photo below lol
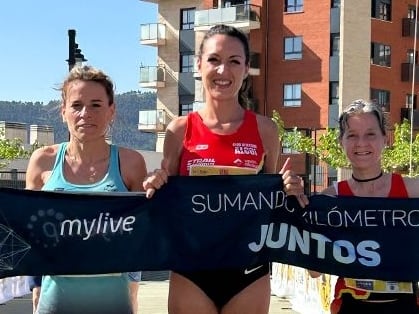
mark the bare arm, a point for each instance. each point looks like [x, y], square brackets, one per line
[39, 167]
[172, 149]
[412, 186]
[133, 169]
[269, 134]
[173, 144]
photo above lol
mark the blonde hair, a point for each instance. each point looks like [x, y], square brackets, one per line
[88, 73]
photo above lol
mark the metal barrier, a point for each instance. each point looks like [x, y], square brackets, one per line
[12, 179]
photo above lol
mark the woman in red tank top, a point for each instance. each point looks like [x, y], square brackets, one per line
[363, 136]
[222, 138]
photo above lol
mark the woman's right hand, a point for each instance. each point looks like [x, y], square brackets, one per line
[154, 180]
[293, 184]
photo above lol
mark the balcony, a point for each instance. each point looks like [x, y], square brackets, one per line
[254, 63]
[407, 72]
[244, 16]
[153, 34]
[408, 27]
[153, 121]
[152, 76]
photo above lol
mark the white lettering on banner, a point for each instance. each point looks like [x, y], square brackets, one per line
[101, 225]
[363, 218]
[343, 251]
[222, 202]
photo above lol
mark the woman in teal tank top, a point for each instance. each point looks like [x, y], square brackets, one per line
[86, 163]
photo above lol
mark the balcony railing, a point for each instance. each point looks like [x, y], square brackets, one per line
[152, 76]
[243, 16]
[153, 34]
[407, 72]
[153, 120]
[408, 27]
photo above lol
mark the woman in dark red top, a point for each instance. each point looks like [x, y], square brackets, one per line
[363, 136]
[222, 138]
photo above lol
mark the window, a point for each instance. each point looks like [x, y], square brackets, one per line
[410, 100]
[186, 104]
[293, 48]
[294, 5]
[334, 45]
[381, 97]
[334, 93]
[229, 3]
[411, 57]
[187, 18]
[381, 9]
[411, 12]
[335, 4]
[186, 108]
[292, 95]
[187, 62]
[381, 54]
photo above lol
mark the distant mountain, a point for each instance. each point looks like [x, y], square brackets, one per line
[124, 131]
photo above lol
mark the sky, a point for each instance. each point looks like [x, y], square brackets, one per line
[34, 43]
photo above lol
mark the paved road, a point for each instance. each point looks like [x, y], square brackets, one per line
[21, 305]
[152, 297]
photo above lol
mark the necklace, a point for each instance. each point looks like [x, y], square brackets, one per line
[89, 171]
[368, 180]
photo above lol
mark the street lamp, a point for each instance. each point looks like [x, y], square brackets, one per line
[75, 57]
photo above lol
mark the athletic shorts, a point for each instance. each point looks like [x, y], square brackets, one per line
[222, 285]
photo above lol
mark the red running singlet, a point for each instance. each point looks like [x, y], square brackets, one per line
[207, 153]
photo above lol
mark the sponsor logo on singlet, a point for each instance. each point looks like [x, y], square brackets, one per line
[245, 149]
[200, 162]
[238, 162]
[201, 147]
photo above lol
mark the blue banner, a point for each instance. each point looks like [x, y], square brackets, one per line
[212, 222]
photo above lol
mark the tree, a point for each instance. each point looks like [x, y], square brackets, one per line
[401, 156]
[10, 150]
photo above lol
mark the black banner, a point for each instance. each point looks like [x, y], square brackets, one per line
[203, 223]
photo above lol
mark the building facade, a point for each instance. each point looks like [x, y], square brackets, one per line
[309, 59]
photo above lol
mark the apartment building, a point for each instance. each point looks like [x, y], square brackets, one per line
[309, 59]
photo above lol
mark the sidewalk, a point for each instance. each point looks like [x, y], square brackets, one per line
[152, 299]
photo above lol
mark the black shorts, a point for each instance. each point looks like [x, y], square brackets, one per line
[404, 304]
[222, 285]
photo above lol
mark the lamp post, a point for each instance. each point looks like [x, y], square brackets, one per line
[74, 52]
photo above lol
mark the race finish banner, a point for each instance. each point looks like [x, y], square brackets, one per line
[195, 223]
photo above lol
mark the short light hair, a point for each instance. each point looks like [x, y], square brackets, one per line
[88, 73]
[361, 106]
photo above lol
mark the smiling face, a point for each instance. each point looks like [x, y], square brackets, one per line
[223, 67]
[86, 110]
[363, 141]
